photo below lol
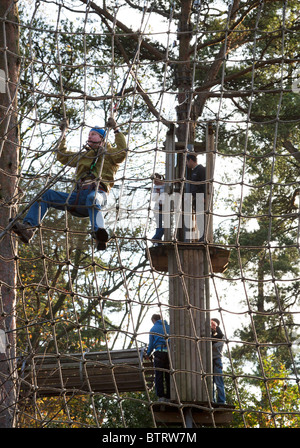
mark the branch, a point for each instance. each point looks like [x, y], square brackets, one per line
[230, 31]
[93, 303]
[202, 93]
[161, 12]
[132, 34]
[199, 101]
[144, 95]
[292, 150]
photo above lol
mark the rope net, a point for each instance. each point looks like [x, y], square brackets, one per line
[215, 79]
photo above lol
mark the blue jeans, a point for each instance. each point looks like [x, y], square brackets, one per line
[158, 234]
[218, 381]
[159, 225]
[89, 205]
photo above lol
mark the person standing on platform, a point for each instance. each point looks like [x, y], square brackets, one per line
[217, 348]
[158, 346]
[197, 177]
[158, 194]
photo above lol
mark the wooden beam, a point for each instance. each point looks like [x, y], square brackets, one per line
[217, 262]
[199, 147]
[106, 372]
[168, 414]
[209, 173]
[188, 325]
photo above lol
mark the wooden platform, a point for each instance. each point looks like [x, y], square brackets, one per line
[218, 262]
[193, 414]
[106, 372]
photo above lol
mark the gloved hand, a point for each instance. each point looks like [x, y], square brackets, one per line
[64, 124]
[111, 123]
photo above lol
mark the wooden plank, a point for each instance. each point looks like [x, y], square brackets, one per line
[102, 370]
[188, 302]
[199, 147]
[193, 266]
[169, 414]
[126, 356]
[218, 260]
[126, 384]
[188, 265]
[210, 167]
[201, 418]
[198, 292]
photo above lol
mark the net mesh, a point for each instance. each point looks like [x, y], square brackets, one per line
[219, 80]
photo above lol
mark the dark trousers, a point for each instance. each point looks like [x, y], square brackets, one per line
[162, 378]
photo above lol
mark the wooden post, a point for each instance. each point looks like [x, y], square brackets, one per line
[210, 166]
[189, 300]
[188, 325]
[9, 162]
[170, 172]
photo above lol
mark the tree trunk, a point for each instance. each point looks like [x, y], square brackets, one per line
[183, 79]
[9, 161]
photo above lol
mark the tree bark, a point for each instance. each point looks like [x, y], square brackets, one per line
[9, 161]
[184, 75]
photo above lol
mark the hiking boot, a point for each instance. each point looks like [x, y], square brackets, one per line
[24, 231]
[101, 237]
[100, 245]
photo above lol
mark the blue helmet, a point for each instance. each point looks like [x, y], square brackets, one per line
[100, 131]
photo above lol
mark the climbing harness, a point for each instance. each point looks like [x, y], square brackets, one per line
[87, 182]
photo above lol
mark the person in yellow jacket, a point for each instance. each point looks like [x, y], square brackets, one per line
[96, 166]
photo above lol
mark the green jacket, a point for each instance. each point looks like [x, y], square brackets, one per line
[106, 165]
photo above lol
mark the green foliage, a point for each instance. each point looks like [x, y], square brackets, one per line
[132, 411]
[271, 401]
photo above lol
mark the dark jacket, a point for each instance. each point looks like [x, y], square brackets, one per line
[218, 344]
[198, 174]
